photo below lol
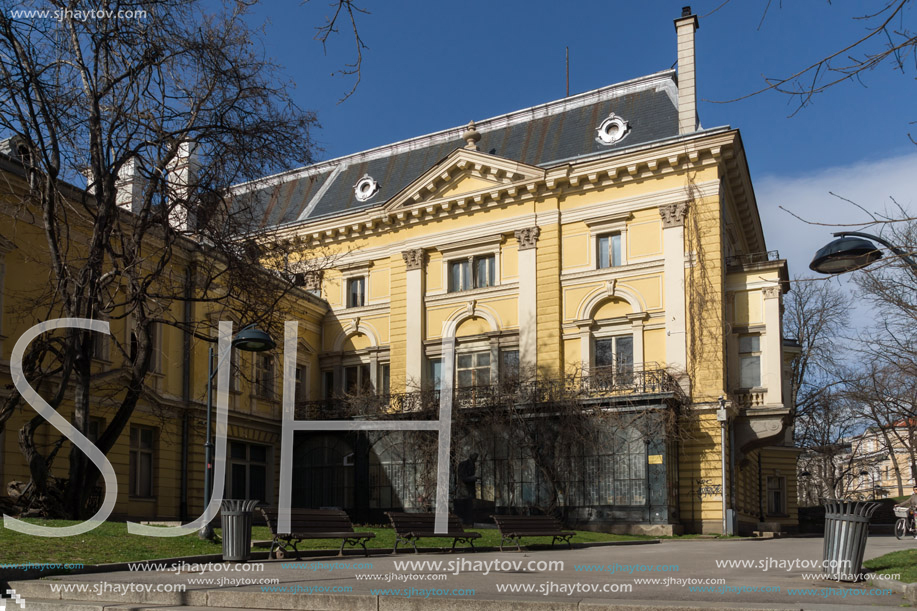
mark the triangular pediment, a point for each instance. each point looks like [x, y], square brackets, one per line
[464, 172]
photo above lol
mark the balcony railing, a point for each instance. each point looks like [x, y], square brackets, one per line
[752, 258]
[599, 383]
[749, 398]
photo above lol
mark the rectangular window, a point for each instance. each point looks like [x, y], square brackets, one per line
[459, 275]
[749, 361]
[609, 251]
[473, 272]
[509, 366]
[356, 379]
[264, 376]
[328, 384]
[300, 383]
[776, 495]
[472, 369]
[484, 271]
[100, 346]
[615, 353]
[385, 378]
[356, 292]
[247, 471]
[436, 374]
[141, 462]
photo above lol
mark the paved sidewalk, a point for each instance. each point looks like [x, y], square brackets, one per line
[320, 583]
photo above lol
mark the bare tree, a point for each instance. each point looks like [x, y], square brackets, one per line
[887, 39]
[816, 313]
[162, 104]
[885, 396]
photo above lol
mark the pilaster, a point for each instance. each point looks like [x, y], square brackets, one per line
[414, 291]
[673, 247]
[528, 300]
[772, 361]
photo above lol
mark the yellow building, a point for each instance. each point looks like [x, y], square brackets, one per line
[159, 457]
[604, 244]
[606, 232]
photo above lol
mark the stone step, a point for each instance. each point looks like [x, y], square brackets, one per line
[220, 598]
[42, 589]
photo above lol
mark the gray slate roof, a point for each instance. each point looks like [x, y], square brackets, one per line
[540, 136]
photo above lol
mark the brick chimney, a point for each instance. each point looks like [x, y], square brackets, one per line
[183, 174]
[129, 186]
[687, 92]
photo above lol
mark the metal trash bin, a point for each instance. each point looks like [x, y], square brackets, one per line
[236, 516]
[846, 531]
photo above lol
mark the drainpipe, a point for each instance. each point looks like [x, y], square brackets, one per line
[732, 468]
[186, 395]
[723, 417]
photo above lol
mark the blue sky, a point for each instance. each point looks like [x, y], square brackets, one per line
[431, 66]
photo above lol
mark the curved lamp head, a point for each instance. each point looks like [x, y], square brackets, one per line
[253, 339]
[844, 255]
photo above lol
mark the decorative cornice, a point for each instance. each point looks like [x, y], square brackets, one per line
[414, 258]
[673, 215]
[404, 210]
[527, 237]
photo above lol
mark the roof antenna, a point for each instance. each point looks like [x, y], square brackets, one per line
[568, 71]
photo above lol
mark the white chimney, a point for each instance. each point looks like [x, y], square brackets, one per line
[183, 174]
[129, 186]
[687, 92]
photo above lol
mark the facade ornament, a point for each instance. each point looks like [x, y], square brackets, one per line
[414, 258]
[611, 286]
[673, 215]
[312, 280]
[471, 306]
[771, 292]
[356, 324]
[471, 137]
[528, 237]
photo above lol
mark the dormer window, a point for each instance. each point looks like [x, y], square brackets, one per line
[365, 188]
[611, 130]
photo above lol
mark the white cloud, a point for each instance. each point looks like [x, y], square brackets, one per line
[870, 184]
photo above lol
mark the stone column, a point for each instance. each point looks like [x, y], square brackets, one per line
[772, 350]
[673, 248]
[414, 290]
[528, 307]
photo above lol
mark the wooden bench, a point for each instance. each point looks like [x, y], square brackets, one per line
[412, 526]
[313, 524]
[513, 528]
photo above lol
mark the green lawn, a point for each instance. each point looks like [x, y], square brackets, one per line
[111, 543]
[903, 562]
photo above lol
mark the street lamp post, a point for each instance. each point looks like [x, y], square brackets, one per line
[853, 250]
[249, 339]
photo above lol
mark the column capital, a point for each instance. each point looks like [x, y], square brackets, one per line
[673, 215]
[771, 292]
[527, 237]
[414, 258]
